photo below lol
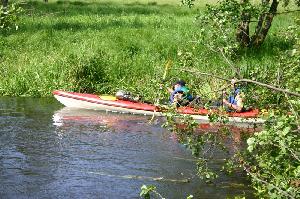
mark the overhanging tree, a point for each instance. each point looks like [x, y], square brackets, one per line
[263, 25]
[272, 157]
[241, 14]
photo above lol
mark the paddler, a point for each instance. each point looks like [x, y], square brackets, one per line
[235, 101]
[180, 94]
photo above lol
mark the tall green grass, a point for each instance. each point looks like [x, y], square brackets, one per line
[100, 47]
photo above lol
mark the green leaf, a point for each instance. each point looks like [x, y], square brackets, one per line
[190, 197]
[286, 130]
[146, 190]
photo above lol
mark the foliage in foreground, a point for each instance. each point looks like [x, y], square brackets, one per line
[9, 17]
[274, 157]
[147, 191]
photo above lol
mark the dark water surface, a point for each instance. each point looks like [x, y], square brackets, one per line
[47, 151]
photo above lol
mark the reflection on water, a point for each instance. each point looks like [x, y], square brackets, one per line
[52, 152]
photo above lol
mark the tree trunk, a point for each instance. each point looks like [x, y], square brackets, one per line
[242, 34]
[46, 1]
[264, 24]
[4, 3]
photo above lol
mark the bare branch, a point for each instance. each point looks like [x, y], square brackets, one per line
[290, 11]
[269, 86]
[243, 80]
[236, 71]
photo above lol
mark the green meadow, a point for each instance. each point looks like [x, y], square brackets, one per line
[104, 46]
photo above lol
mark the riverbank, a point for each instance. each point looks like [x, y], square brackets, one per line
[100, 47]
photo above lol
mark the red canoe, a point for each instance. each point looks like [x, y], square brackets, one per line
[110, 103]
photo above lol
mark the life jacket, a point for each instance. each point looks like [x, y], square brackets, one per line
[231, 98]
[184, 90]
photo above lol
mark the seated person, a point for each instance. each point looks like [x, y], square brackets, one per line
[180, 94]
[235, 102]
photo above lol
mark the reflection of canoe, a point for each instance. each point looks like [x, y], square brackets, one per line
[96, 102]
[69, 116]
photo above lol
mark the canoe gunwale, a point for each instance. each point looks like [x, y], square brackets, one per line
[102, 102]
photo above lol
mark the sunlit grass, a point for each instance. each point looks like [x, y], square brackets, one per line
[103, 46]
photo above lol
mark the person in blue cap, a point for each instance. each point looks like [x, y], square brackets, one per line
[235, 101]
[180, 94]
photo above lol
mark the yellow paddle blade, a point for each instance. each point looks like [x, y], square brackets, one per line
[108, 97]
[167, 66]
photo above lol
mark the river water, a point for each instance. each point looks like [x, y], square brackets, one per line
[48, 151]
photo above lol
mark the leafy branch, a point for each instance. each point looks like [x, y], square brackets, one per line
[147, 190]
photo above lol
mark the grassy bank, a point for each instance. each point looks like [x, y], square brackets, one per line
[95, 46]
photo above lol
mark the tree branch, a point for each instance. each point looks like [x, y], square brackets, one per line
[290, 11]
[242, 33]
[267, 183]
[236, 70]
[230, 64]
[4, 3]
[244, 80]
[270, 87]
